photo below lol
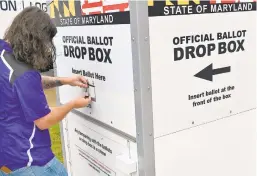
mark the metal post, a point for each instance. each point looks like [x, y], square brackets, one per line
[142, 86]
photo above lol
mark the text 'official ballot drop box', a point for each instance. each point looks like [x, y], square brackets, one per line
[173, 82]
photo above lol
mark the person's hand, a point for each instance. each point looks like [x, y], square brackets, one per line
[81, 102]
[76, 80]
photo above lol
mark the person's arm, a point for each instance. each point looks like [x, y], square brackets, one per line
[49, 82]
[57, 114]
[34, 104]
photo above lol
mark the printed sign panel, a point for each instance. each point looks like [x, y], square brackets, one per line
[203, 56]
[10, 8]
[93, 150]
[94, 40]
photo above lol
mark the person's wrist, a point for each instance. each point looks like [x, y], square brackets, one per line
[64, 81]
[72, 104]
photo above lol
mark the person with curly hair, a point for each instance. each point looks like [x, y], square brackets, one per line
[25, 117]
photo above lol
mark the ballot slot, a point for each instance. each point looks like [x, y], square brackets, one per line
[90, 91]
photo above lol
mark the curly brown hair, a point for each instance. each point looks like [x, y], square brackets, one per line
[31, 38]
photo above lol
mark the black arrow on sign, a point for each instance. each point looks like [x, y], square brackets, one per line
[208, 72]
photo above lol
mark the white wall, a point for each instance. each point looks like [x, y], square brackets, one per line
[10, 8]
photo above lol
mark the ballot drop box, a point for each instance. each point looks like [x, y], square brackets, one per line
[173, 86]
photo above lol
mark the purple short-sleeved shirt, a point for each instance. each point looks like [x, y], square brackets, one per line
[22, 101]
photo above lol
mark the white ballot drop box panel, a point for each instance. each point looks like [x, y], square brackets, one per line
[95, 151]
[225, 147]
[94, 41]
[203, 62]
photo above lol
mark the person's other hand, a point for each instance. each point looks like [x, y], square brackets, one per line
[81, 102]
[76, 80]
